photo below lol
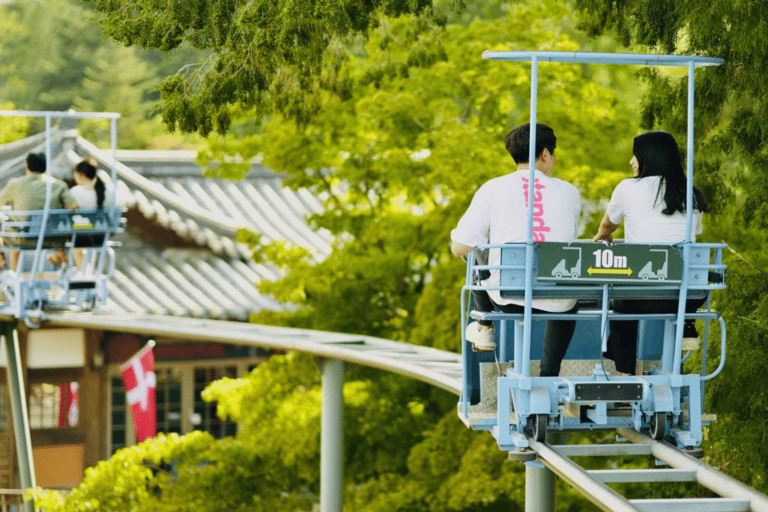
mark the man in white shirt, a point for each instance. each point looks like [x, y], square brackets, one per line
[498, 214]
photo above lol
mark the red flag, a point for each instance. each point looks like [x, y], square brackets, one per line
[68, 411]
[139, 379]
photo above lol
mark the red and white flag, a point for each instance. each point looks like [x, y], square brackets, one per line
[139, 379]
[68, 411]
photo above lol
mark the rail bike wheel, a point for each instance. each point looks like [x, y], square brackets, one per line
[659, 425]
[538, 424]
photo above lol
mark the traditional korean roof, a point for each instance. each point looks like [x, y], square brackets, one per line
[179, 255]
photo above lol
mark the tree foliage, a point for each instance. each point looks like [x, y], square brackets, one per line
[266, 54]
[396, 163]
[46, 46]
[53, 56]
[272, 463]
[12, 128]
[123, 89]
[171, 473]
[732, 169]
[278, 410]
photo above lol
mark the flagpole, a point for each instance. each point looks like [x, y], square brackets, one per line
[149, 345]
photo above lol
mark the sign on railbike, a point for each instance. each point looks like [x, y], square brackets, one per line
[617, 263]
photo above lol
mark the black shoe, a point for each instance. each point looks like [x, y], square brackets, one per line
[689, 329]
[690, 335]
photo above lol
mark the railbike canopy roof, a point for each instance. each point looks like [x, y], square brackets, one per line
[605, 58]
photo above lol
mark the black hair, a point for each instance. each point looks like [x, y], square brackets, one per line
[36, 162]
[88, 168]
[517, 141]
[658, 155]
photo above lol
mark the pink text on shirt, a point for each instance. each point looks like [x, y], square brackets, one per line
[539, 226]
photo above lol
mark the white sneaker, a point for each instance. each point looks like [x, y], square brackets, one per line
[483, 339]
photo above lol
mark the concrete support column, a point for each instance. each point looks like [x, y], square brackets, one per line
[17, 392]
[539, 488]
[540, 482]
[332, 437]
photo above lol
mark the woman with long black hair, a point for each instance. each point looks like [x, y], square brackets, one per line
[91, 193]
[652, 205]
[90, 190]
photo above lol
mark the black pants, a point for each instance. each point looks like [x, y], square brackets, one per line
[622, 340]
[557, 334]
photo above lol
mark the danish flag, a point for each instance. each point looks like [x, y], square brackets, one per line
[139, 379]
[68, 411]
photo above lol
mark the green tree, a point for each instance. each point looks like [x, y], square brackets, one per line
[732, 170]
[171, 473]
[272, 463]
[267, 55]
[46, 46]
[397, 163]
[122, 88]
[54, 57]
[278, 410]
[12, 128]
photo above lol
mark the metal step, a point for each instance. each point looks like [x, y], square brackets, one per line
[692, 505]
[642, 475]
[604, 450]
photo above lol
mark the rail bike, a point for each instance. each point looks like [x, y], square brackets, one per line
[502, 390]
[85, 237]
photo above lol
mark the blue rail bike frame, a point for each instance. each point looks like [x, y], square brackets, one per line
[21, 309]
[519, 375]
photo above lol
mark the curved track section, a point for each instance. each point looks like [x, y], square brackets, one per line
[433, 366]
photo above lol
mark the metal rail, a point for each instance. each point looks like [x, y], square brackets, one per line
[734, 495]
[430, 365]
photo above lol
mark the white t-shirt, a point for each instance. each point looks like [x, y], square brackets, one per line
[635, 202]
[499, 212]
[86, 197]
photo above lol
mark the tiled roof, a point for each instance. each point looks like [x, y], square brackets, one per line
[199, 270]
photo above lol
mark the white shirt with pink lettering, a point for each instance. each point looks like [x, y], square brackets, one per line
[498, 214]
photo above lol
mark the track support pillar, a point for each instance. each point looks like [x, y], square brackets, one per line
[18, 396]
[539, 488]
[332, 437]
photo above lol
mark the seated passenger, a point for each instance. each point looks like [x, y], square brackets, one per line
[29, 192]
[652, 206]
[91, 192]
[498, 214]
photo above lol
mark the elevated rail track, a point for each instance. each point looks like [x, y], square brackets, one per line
[443, 369]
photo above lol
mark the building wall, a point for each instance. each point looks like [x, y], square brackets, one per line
[57, 357]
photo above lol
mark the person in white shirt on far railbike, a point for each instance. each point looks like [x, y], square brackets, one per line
[92, 192]
[498, 214]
